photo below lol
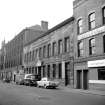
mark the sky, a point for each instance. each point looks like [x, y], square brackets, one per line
[16, 15]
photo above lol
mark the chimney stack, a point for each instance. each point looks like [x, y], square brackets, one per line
[44, 25]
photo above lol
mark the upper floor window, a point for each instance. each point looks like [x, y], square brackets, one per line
[67, 44]
[80, 26]
[49, 50]
[44, 51]
[37, 53]
[54, 49]
[40, 52]
[60, 47]
[104, 43]
[103, 14]
[92, 47]
[92, 21]
[80, 49]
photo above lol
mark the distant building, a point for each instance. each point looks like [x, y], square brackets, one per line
[89, 36]
[12, 56]
[51, 54]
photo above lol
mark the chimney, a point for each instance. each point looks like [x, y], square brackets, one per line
[44, 25]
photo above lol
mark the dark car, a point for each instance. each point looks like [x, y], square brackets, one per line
[21, 82]
[6, 80]
[29, 82]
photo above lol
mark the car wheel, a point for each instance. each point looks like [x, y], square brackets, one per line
[45, 86]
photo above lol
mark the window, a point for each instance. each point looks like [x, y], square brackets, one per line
[104, 43]
[101, 74]
[54, 48]
[67, 44]
[92, 46]
[91, 21]
[80, 26]
[44, 51]
[40, 52]
[37, 53]
[33, 55]
[80, 49]
[60, 47]
[103, 14]
[49, 50]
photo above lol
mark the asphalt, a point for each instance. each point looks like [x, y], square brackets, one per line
[81, 91]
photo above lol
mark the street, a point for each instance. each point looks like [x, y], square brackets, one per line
[11, 94]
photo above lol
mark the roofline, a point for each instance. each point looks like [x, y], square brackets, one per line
[53, 29]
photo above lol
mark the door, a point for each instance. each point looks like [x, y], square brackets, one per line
[79, 79]
[67, 73]
[85, 79]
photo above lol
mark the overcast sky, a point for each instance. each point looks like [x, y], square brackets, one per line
[16, 15]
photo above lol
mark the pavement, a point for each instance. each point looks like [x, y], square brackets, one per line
[82, 91]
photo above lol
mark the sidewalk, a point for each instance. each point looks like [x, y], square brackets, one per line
[81, 91]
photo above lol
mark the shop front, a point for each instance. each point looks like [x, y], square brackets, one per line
[97, 74]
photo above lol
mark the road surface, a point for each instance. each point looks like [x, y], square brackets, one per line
[11, 94]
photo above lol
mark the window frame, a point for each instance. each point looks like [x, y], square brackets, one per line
[60, 46]
[80, 49]
[49, 50]
[54, 48]
[66, 44]
[80, 26]
[92, 46]
[91, 20]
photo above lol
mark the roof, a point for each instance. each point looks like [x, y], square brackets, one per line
[53, 29]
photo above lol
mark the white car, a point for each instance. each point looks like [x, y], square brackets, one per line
[45, 82]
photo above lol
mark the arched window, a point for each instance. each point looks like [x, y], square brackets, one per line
[92, 47]
[91, 20]
[79, 26]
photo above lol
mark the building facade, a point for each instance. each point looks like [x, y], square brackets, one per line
[51, 54]
[89, 36]
[12, 56]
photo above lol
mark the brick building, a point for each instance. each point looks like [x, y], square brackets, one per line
[89, 35]
[51, 54]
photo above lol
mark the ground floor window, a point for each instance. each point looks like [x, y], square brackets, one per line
[101, 74]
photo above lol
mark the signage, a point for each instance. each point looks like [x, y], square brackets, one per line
[92, 33]
[96, 63]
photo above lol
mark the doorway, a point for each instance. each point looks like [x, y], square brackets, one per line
[67, 73]
[85, 79]
[79, 79]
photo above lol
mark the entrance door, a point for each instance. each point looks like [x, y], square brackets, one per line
[67, 73]
[85, 79]
[79, 76]
[39, 70]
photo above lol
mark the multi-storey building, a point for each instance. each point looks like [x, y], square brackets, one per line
[51, 54]
[89, 36]
[12, 56]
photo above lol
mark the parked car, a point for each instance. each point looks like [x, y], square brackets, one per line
[33, 77]
[6, 80]
[46, 83]
[29, 82]
[20, 82]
